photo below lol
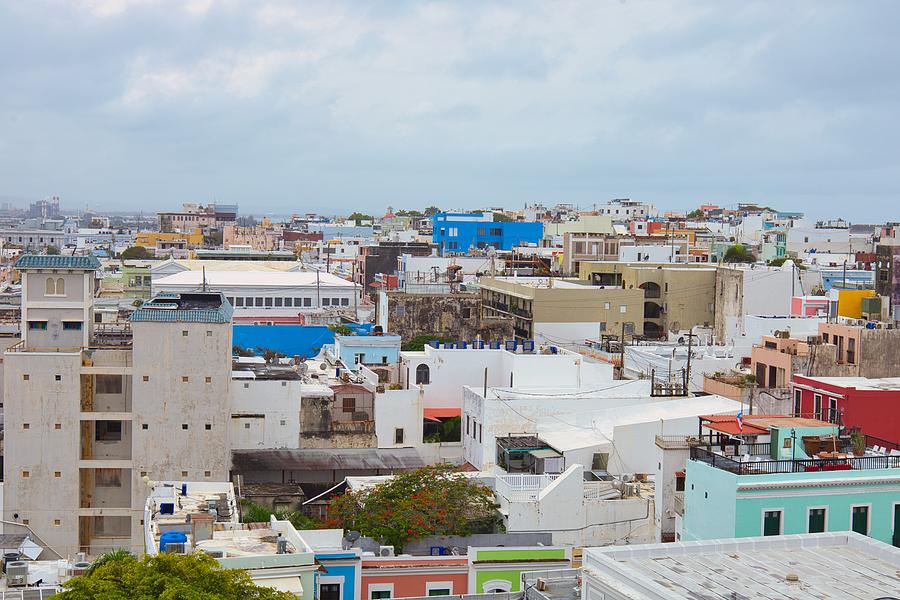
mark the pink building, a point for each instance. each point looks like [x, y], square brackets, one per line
[414, 576]
[809, 306]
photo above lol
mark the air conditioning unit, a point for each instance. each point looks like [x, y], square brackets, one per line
[386, 551]
[17, 573]
[175, 548]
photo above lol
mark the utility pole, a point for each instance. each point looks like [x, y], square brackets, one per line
[622, 353]
[318, 291]
[353, 279]
[687, 383]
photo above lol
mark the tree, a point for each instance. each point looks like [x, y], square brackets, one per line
[251, 512]
[121, 576]
[52, 250]
[501, 217]
[357, 217]
[417, 344]
[431, 211]
[695, 214]
[136, 253]
[341, 329]
[738, 254]
[409, 506]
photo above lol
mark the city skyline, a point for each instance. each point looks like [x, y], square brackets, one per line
[276, 107]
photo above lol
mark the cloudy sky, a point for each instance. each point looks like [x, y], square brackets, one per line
[289, 106]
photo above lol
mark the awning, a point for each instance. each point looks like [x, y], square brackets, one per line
[436, 414]
[731, 428]
[291, 585]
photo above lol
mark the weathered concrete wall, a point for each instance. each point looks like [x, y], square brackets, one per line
[729, 299]
[879, 353]
[448, 315]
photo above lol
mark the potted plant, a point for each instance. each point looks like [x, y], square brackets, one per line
[858, 442]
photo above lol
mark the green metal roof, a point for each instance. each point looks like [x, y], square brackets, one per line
[191, 307]
[56, 261]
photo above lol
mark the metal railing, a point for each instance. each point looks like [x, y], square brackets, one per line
[757, 466]
[522, 487]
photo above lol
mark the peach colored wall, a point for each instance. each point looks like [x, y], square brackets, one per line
[413, 585]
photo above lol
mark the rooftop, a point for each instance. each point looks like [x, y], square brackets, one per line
[38, 261]
[861, 383]
[256, 278]
[843, 565]
[191, 307]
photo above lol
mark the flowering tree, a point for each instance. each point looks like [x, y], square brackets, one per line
[412, 505]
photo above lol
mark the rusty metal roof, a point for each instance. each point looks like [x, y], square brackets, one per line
[328, 459]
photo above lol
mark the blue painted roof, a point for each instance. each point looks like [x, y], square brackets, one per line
[56, 261]
[290, 340]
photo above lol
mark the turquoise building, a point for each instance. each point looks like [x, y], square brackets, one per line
[776, 488]
[357, 350]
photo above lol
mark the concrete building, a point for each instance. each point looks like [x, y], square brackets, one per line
[559, 311]
[790, 567]
[742, 291]
[441, 315]
[382, 260]
[94, 419]
[456, 233]
[623, 209]
[589, 246]
[32, 240]
[675, 298]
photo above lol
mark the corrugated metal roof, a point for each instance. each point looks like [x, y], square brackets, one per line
[155, 315]
[40, 261]
[321, 459]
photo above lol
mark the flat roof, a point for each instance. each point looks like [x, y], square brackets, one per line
[255, 278]
[860, 383]
[843, 565]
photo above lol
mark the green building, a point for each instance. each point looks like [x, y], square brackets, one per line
[500, 569]
[779, 488]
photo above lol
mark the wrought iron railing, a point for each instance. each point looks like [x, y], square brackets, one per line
[754, 465]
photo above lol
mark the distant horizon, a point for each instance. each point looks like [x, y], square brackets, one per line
[280, 106]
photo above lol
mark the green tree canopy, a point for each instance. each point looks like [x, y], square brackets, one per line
[358, 217]
[417, 343]
[136, 252]
[52, 250]
[695, 214]
[431, 211]
[429, 501]
[738, 254]
[120, 576]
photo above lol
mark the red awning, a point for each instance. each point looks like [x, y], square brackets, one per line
[436, 414]
[731, 428]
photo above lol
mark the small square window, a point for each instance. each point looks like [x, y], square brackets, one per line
[246, 386]
[26, 522]
[284, 384]
[25, 377]
[208, 426]
[26, 474]
[184, 426]
[184, 332]
[146, 378]
[145, 426]
[57, 426]
[283, 422]
[143, 473]
[207, 473]
[184, 379]
[57, 474]
[209, 380]
[184, 473]
[246, 425]
[26, 425]
[58, 377]
[209, 333]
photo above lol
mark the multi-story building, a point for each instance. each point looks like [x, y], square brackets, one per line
[675, 297]
[33, 240]
[381, 259]
[805, 480]
[562, 311]
[86, 420]
[623, 209]
[194, 216]
[457, 233]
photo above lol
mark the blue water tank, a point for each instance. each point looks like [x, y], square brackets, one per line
[167, 508]
[184, 489]
[171, 537]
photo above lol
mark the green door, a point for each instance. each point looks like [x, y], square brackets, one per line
[896, 539]
[816, 520]
[861, 519]
[772, 522]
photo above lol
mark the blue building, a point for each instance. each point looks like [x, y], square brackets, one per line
[356, 350]
[455, 233]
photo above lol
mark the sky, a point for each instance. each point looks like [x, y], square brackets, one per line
[285, 107]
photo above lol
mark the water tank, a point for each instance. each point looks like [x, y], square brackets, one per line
[171, 537]
[9, 557]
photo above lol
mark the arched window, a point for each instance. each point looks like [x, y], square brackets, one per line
[50, 287]
[60, 287]
[423, 375]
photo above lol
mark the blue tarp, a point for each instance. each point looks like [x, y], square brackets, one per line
[290, 340]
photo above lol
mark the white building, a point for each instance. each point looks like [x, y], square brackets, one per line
[625, 210]
[268, 293]
[94, 419]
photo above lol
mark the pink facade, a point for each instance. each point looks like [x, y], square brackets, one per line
[412, 576]
[809, 306]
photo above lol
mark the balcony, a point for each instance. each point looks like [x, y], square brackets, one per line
[522, 487]
[758, 462]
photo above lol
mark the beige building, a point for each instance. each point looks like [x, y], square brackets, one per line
[674, 297]
[561, 311]
[91, 417]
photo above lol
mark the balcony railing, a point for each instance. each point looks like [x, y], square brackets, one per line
[755, 465]
[522, 487]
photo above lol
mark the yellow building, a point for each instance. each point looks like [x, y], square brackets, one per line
[850, 302]
[150, 239]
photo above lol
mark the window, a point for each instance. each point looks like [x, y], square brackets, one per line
[797, 402]
[208, 379]
[348, 404]
[268, 302]
[184, 473]
[57, 522]
[184, 426]
[289, 302]
[239, 301]
[359, 358]
[326, 301]
[248, 302]
[259, 302]
[184, 333]
[860, 519]
[817, 406]
[146, 378]
[329, 591]
[26, 474]
[184, 379]
[209, 333]
[832, 410]
[468, 420]
[246, 425]
[108, 384]
[438, 588]
[208, 426]
[378, 594]
[398, 435]
[57, 377]
[58, 426]
[602, 325]
[772, 522]
[423, 375]
[108, 431]
[207, 473]
[41, 325]
[679, 481]
[72, 325]
[57, 474]
[279, 302]
[108, 478]
[306, 302]
[851, 350]
[623, 309]
[50, 287]
[496, 231]
[144, 426]
[345, 301]
[25, 377]
[26, 426]
[816, 521]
